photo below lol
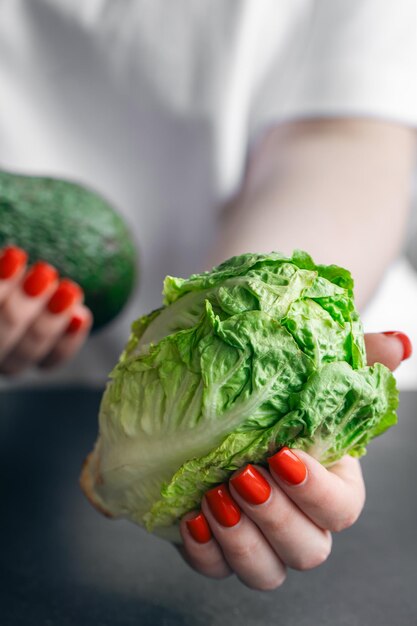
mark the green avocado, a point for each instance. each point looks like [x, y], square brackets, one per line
[77, 231]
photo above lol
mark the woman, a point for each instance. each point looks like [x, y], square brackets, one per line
[217, 128]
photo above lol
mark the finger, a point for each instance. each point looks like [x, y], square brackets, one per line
[43, 333]
[299, 543]
[71, 340]
[24, 303]
[12, 267]
[246, 550]
[200, 549]
[333, 499]
[388, 348]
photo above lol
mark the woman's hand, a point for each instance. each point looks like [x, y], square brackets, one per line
[43, 320]
[265, 521]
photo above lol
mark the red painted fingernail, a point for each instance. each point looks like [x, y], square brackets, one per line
[222, 505]
[251, 485]
[12, 259]
[66, 295]
[288, 466]
[199, 528]
[76, 323]
[40, 276]
[405, 340]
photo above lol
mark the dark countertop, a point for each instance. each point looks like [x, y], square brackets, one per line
[61, 563]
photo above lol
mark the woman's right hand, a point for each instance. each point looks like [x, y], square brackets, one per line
[43, 321]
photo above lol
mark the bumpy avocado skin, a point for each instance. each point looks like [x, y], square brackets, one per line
[77, 231]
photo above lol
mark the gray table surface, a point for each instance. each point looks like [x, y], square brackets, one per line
[61, 563]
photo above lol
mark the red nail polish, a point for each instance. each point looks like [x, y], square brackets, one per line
[40, 276]
[222, 505]
[66, 295]
[199, 528]
[405, 340]
[77, 322]
[251, 485]
[12, 259]
[288, 466]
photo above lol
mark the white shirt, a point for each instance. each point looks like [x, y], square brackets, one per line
[155, 104]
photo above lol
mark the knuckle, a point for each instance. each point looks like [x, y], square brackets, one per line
[271, 583]
[213, 558]
[276, 581]
[344, 521]
[208, 561]
[276, 525]
[214, 567]
[314, 559]
[218, 574]
[242, 550]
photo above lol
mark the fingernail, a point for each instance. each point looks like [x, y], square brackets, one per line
[251, 485]
[40, 276]
[223, 507]
[76, 323]
[405, 340]
[288, 466]
[199, 528]
[66, 295]
[12, 259]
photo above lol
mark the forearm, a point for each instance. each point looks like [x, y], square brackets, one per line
[338, 189]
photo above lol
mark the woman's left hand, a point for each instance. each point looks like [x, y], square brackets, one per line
[43, 321]
[262, 521]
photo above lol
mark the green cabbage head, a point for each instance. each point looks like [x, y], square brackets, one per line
[261, 352]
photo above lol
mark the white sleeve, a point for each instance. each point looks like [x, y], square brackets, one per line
[358, 58]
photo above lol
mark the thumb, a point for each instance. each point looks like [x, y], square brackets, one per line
[389, 348]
